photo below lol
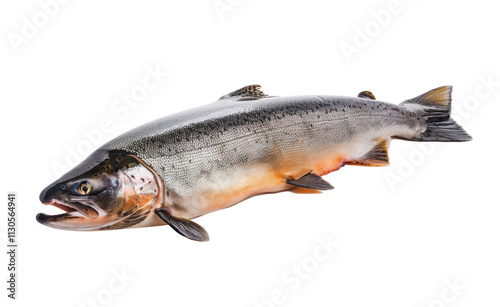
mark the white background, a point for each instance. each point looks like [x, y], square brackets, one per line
[405, 232]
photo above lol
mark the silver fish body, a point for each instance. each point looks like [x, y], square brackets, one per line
[248, 143]
[201, 149]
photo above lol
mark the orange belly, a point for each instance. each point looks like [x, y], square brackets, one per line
[268, 178]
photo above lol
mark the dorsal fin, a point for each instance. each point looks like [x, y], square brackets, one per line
[249, 92]
[366, 94]
[377, 156]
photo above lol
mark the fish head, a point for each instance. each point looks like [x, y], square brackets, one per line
[109, 190]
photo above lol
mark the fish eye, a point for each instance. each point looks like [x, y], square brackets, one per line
[84, 188]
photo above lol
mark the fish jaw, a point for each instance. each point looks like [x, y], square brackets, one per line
[78, 213]
[76, 216]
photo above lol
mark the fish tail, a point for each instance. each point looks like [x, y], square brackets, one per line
[436, 107]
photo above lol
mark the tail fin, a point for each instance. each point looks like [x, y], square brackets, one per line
[436, 105]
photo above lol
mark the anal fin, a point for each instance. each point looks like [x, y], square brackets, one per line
[377, 156]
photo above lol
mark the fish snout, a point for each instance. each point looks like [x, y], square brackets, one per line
[48, 193]
[55, 190]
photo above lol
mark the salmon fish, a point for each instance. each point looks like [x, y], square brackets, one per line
[185, 165]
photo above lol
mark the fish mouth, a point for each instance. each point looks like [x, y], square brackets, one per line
[72, 210]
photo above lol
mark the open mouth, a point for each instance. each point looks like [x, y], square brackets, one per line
[72, 209]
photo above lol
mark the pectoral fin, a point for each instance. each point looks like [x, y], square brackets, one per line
[310, 181]
[184, 227]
